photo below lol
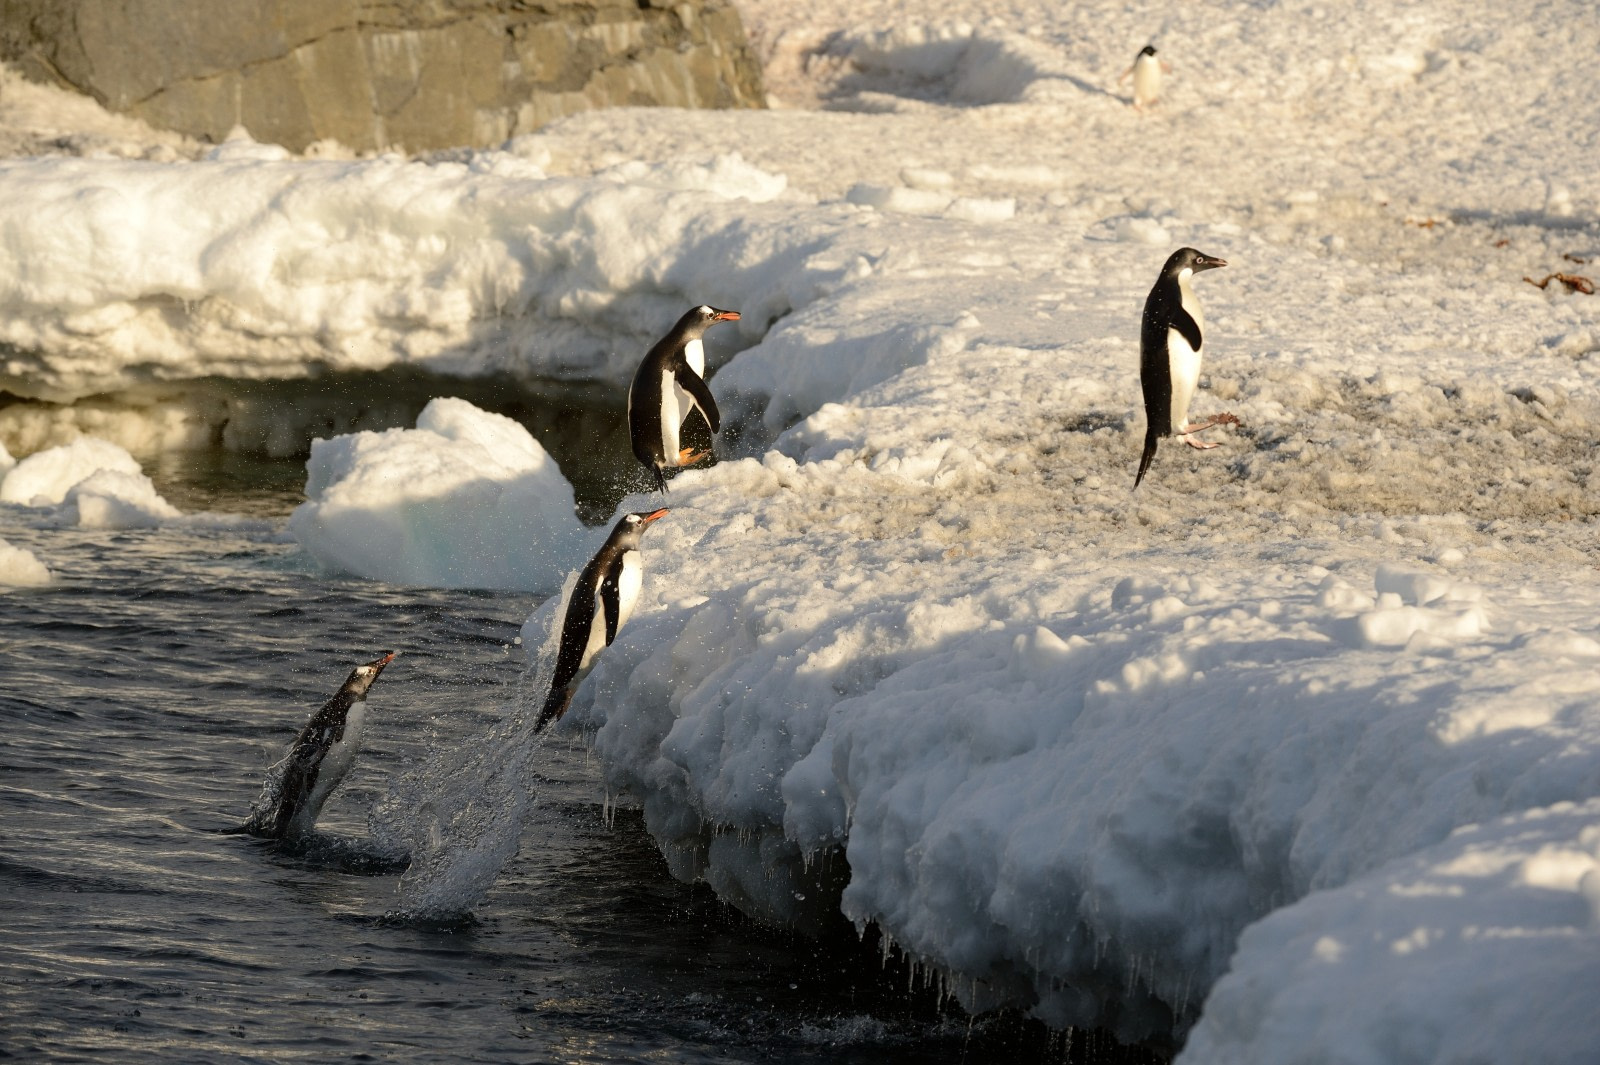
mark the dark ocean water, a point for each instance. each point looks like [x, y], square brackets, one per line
[143, 696]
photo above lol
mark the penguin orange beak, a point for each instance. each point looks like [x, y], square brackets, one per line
[653, 515]
[725, 316]
[1207, 262]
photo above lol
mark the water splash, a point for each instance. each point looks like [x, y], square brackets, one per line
[460, 813]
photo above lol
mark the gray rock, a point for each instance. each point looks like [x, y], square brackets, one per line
[410, 75]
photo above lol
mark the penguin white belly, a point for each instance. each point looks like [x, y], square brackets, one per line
[332, 770]
[671, 417]
[1183, 366]
[1146, 80]
[629, 583]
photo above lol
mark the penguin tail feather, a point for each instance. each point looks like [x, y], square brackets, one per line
[1149, 456]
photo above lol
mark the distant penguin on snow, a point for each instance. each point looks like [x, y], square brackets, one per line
[1169, 355]
[670, 380]
[602, 600]
[322, 755]
[1146, 71]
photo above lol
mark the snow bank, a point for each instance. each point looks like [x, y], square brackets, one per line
[466, 499]
[251, 264]
[20, 568]
[1389, 967]
[1067, 782]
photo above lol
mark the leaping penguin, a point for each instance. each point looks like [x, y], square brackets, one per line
[670, 380]
[601, 602]
[1169, 355]
[323, 754]
[1146, 71]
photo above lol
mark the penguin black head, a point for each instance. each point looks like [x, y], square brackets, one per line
[698, 319]
[362, 677]
[632, 526]
[1191, 260]
[1148, 49]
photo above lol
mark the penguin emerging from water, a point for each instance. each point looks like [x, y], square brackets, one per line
[1146, 71]
[670, 381]
[323, 754]
[601, 602]
[1169, 355]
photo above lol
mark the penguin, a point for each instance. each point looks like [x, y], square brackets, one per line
[601, 602]
[323, 754]
[1169, 355]
[670, 380]
[1146, 71]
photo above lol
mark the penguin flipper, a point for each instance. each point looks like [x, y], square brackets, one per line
[700, 393]
[1186, 326]
[555, 704]
[1149, 455]
[611, 603]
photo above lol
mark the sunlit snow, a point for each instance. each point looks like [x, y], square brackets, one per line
[1295, 751]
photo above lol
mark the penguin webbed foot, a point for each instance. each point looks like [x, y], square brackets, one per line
[689, 456]
[1218, 419]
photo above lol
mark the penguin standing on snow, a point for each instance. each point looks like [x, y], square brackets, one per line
[323, 754]
[670, 380]
[1169, 355]
[601, 603]
[1146, 71]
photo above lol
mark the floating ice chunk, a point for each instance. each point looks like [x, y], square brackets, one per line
[19, 568]
[113, 499]
[467, 499]
[45, 477]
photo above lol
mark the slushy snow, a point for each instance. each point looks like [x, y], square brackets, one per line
[1295, 751]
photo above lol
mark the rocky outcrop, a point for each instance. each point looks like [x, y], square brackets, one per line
[379, 74]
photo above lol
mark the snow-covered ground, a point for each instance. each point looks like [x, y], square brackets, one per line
[1298, 745]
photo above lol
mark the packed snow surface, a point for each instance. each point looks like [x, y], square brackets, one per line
[1295, 751]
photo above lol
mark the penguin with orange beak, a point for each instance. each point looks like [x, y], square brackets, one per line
[322, 755]
[668, 384]
[601, 602]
